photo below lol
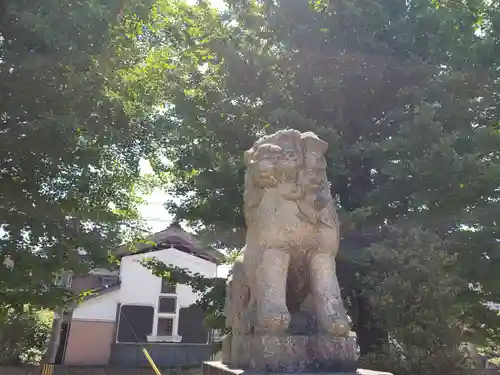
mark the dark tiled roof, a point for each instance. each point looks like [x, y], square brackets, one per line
[174, 236]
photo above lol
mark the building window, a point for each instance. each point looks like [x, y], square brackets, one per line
[167, 305]
[165, 327]
[69, 282]
[217, 335]
[168, 287]
[108, 281]
[65, 281]
[166, 313]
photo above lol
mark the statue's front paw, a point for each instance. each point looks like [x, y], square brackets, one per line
[274, 320]
[340, 327]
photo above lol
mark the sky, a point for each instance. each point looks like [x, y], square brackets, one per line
[153, 211]
[158, 218]
[219, 4]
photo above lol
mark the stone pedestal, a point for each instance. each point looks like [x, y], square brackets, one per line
[218, 368]
[293, 353]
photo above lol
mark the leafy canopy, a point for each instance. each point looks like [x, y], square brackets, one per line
[70, 151]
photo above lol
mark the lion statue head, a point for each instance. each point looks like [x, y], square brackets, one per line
[290, 161]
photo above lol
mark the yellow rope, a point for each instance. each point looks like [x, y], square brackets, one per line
[47, 369]
[150, 360]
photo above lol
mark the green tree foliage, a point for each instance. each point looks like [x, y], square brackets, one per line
[69, 150]
[23, 335]
[405, 92]
[413, 286]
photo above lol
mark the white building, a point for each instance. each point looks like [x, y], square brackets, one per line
[132, 308]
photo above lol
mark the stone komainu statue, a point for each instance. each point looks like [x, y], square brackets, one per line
[285, 281]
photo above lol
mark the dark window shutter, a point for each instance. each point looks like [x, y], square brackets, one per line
[191, 325]
[136, 322]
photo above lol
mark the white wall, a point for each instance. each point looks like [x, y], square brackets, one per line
[140, 287]
[99, 308]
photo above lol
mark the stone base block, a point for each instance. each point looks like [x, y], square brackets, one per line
[294, 353]
[218, 368]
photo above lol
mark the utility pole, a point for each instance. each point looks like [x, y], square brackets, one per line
[55, 335]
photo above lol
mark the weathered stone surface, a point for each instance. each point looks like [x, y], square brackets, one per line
[218, 368]
[288, 264]
[287, 353]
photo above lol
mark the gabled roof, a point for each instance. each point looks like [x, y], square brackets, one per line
[174, 236]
